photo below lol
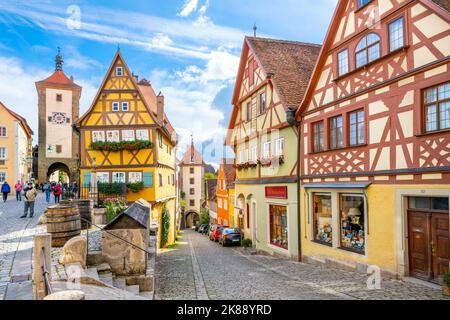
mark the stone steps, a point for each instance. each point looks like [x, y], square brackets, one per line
[106, 278]
[120, 283]
[134, 289]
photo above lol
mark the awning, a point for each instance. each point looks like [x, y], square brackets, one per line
[351, 185]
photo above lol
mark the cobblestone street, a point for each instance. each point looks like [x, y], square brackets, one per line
[16, 247]
[200, 269]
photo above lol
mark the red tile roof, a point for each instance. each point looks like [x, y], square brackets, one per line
[59, 78]
[192, 156]
[291, 63]
[227, 166]
[150, 98]
[443, 3]
[19, 118]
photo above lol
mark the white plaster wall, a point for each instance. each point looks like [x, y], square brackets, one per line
[59, 134]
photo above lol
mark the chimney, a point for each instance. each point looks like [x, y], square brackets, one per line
[160, 108]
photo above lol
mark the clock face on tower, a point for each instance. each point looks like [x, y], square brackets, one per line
[59, 118]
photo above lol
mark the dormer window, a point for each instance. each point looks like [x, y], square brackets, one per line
[368, 49]
[362, 3]
[119, 71]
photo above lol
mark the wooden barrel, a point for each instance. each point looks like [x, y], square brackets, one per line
[86, 208]
[63, 223]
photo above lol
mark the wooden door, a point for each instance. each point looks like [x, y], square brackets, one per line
[419, 244]
[440, 243]
[429, 244]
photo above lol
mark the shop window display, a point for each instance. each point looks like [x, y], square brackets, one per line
[278, 226]
[323, 231]
[352, 222]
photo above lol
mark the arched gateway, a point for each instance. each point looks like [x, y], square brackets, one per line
[59, 98]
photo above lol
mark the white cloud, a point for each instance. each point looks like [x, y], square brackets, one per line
[18, 91]
[126, 27]
[74, 59]
[189, 7]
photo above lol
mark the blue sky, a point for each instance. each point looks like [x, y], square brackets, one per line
[188, 49]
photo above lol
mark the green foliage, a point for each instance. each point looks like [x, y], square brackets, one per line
[135, 187]
[165, 225]
[122, 145]
[204, 217]
[246, 243]
[114, 208]
[68, 195]
[210, 176]
[182, 195]
[115, 188]
[447, 278]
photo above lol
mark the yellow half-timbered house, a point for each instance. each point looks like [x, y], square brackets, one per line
[126, 137]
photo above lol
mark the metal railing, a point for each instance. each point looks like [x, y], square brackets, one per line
[103, 192]
[45, 274]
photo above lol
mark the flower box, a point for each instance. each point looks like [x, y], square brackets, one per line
[123, 145]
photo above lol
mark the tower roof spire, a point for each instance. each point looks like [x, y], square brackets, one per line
[59, 61]
[254, 29]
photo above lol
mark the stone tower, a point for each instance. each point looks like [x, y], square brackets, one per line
[58, 103]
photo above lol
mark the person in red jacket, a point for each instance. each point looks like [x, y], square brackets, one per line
[57, 191]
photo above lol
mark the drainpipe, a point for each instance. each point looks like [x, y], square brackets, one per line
[290, 116]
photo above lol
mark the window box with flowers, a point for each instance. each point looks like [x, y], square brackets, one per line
[123, 145]
[268, 162]
[246, 165]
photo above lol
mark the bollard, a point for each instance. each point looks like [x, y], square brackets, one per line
[41, 241]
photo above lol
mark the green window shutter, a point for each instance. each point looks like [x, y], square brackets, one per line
[148, 179]
[86, 178]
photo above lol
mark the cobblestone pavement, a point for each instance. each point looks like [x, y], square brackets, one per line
[200, 269]
[16, 246]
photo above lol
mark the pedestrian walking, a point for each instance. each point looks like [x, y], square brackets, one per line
[18, 187]
[57, 191]
[30, 195]
[47, 188]
[6, 189]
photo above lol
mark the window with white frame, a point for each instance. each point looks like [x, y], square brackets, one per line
[343, 62]
[239, 158]
[127, 135]
[219, 203]
[2, 177]
[115, 106]
[279, 147]
[134, 177]
[98, 136]
[112, 136]
[3, 132]
[3, 153]
[118, 177]
[142, 135]
[225, 204]
[266, 150]
[119, 71]
[246, 155]
[396, 34]
[125, 106]
[254, 153]
[103, 177]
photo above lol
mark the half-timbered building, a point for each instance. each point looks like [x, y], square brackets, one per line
[375, 132]
[272, 77]
[126, 137]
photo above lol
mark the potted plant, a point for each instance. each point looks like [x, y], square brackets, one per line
[446, 286]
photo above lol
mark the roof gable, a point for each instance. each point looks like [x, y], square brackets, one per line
[127, 80]
[336, 27]
[23, 122]
[288, 65]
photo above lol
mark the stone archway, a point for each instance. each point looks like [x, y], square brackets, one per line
[58, 166]
[192, 218]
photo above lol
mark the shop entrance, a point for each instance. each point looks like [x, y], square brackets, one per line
[428, 234]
